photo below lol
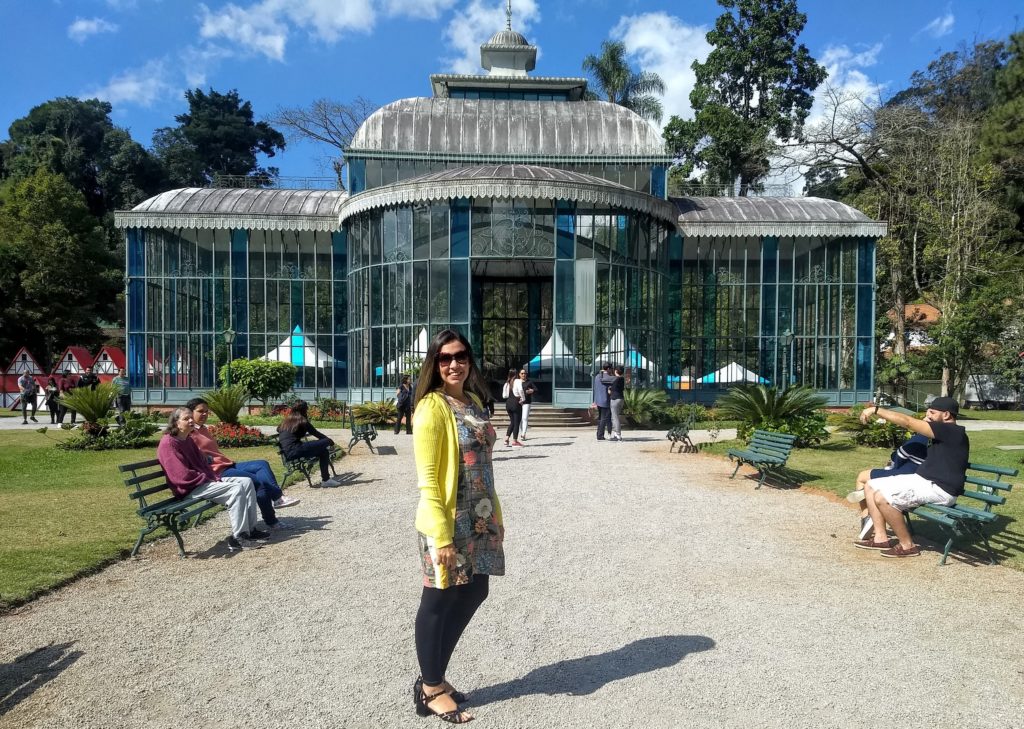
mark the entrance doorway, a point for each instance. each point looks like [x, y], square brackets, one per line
[515, 320]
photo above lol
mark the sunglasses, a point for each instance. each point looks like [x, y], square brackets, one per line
[444, 358]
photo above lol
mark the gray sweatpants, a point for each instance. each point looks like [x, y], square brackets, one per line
[616, 406]
[237, 494]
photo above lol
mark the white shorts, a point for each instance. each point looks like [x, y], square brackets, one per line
[908, 490]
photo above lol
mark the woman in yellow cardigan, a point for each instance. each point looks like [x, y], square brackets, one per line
[458, 518]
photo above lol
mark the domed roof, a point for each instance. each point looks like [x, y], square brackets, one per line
[508, 38]
[507, 130]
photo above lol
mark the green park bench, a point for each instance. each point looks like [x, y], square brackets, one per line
[766, 451]
[970, 520]
[366, 432]
[680, 436]
[158, 506]
[305, 465]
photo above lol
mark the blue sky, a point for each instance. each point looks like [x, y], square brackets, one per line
[142, 54]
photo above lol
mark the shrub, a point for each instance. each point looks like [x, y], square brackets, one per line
[238, 436]
[795, 410]
[644, 407]
[375, 413]
[227, 402]
[262, 379]
[329, 409]
[683, 413]
[875, 434]
[92, 405]
[135, 433]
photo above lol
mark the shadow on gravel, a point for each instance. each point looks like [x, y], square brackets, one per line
[534, 444]
[299, 526]
[582, 676]
[516, 458]
[383, 450]
[349, 479]
[28, 672]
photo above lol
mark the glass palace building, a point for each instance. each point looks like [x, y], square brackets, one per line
[536, 222]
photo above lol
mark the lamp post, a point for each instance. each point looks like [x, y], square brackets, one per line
[229, 338]
[786, 340]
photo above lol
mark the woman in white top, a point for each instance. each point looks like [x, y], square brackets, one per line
[514, 397]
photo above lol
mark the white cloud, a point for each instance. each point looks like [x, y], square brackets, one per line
[83, 28]
[197, 62]
[667, 46]
[940, 26]
[140, 86]
[472, 26]
[430, 9]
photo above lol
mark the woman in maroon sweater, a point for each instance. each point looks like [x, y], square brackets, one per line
[188, 474]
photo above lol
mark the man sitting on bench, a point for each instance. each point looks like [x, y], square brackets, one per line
[904, 459]
[939, 480]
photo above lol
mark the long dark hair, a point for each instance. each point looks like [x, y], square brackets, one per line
[296, 417]
[509, 379]
[430, 373]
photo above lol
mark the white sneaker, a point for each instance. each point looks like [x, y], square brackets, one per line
[331, 482]
[855, 497]
[285, 501]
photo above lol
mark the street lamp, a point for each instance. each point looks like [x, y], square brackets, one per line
[229, 338]
[786, 340]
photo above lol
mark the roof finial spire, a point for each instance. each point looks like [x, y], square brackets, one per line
[508, 15]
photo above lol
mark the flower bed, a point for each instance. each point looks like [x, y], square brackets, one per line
[238, 436]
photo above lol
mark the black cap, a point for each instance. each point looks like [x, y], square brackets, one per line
[945, 404]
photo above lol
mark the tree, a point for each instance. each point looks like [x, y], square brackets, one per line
[263, 380]
[217, 136]
[754, 89]
[55, 260]
[623, 86]
[1002, 133]
[325, 122]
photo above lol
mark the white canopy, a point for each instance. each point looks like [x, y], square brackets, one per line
[619, 350]
[300, 350]
[553, 352]
[416, 350]
[732, 372]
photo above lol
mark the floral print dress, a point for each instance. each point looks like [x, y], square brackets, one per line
[478, 535]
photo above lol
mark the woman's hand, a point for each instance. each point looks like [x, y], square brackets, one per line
[445, 556]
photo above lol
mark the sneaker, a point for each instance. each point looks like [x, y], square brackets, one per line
[897, 550]
[285, 501]
[331, 482]
[24, 422]
[866, 527]
[855, 497]
[257, 535]
[233, 544]
[33, 418]
[872, 544]
[279, 526]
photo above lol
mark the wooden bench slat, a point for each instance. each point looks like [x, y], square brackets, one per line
[138, 466]
[1001, 470]
[142, 479]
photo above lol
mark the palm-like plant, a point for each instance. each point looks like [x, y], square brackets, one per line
[644, 407]
[759, 405]
[227, 402]
[623, 86]
[381, 413]
[93, 405]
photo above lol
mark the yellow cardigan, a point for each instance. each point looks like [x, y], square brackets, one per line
[436, 445]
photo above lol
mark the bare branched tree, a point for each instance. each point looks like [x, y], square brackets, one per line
[325, 122]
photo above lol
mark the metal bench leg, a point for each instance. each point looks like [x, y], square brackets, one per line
[738, 464]
[177, 535]
[138, 542]
[671, 445]
[945, 552]
[369, 443]
[988, 548]
[760, 483]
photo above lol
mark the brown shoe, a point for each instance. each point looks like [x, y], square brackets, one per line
[872, 544]
[898, 551]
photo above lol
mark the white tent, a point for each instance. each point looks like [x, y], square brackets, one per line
[621, 351]
[300, 350]
[732, 372]
[554, 352]
[417, 350]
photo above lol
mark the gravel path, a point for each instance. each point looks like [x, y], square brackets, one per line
[644, 589]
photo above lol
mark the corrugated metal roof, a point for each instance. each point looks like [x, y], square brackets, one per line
[485, 127]
[786, 216]
[259, 209]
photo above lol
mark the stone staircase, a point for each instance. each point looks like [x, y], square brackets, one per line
[543, 415]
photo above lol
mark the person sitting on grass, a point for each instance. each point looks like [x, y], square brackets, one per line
[939, 480]
[188, 474]
[268, 493]
[904, 459]
[293, 429]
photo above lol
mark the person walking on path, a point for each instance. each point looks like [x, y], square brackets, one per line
[188, 474]
[268, 492]
[124, 395]
[528, 391]
[27, 387]
[66, 384]
[403, 401]
[939, 480]
[293, 429]
[617, 402]
[52, 399]
[602, 383]
[458, 519]
[512, 392]
[88, 379]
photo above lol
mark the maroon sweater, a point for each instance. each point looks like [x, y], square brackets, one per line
[184, 464]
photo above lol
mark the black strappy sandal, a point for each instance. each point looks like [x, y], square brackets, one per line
[417, 688]
[455, 716]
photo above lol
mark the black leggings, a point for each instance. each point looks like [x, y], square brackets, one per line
[315, 448]
[515, 416]
[442, 617]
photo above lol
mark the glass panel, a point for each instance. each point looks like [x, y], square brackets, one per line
[439, 292]
[421, 231]
[460, 228]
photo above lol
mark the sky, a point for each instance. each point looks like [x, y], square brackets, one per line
[141, 55]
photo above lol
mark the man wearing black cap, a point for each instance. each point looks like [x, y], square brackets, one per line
[939, 480]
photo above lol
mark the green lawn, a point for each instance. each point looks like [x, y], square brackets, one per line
[1016, 416]
[835, 465]
[64, 513]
